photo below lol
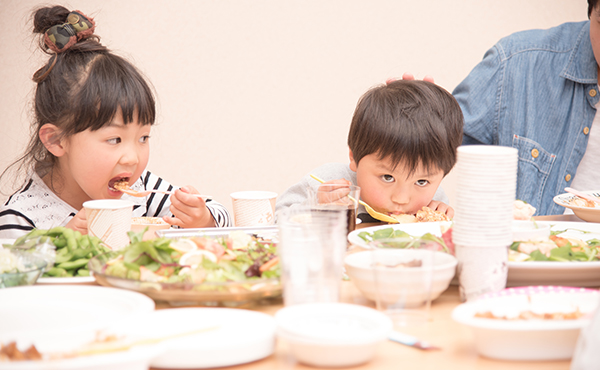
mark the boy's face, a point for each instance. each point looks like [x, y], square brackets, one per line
[394, 191]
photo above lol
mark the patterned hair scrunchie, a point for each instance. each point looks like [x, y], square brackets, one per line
[60, 37]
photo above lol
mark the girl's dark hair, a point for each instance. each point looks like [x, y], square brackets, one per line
[410, 122]
[591, 6]
[81, 88]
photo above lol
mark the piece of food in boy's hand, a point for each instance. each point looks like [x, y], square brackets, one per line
[522, 210]
[425, 214]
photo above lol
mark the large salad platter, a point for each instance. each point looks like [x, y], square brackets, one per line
[520, 273]
[230, 267]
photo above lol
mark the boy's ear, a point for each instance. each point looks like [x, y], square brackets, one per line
[353, 164]
[49, 135]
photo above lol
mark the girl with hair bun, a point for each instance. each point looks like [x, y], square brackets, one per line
[93, 116]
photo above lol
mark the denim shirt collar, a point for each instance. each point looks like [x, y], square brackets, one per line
[582, 66]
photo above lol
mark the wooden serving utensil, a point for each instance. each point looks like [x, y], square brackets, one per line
[377, 215]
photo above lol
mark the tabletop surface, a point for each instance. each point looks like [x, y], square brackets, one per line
[455, 340]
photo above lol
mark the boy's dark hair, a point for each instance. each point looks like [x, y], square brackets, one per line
[411, 122]
[591, 6]
[81, 88]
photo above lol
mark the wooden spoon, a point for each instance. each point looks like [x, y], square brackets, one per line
[377, 215]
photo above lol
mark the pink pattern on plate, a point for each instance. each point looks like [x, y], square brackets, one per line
[538, 290]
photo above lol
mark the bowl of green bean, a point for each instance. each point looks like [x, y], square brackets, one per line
[19, 268]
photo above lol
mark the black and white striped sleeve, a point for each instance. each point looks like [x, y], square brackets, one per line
[14, 224]
[219, 213]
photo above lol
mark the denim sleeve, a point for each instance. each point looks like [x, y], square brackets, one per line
[478, 96]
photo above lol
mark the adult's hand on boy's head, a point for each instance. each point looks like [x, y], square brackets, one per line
[78, 222]
[189, 211]
[436, 205]
[410, 77]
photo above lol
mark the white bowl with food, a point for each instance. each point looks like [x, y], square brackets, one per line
[359, 267]
[536, 323]
[584, 209]
[332, 334]
[138, 224]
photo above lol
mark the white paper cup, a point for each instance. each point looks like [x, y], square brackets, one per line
[253, 208]
[481, 270]
[109, 220]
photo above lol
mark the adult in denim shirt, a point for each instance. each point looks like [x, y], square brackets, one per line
[536, 91]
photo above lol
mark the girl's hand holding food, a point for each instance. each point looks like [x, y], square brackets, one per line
[436, 205]
[79, 222]
[189, 211]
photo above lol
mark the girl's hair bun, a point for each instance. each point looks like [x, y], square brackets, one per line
[46, 17]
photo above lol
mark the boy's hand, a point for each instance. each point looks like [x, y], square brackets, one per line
[329, 193]
[441, 207]
[189, 211]
[78, 222]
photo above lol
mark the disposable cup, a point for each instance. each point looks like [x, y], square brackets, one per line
[109, 220]
[481, 270]
[337, 196]
[253, 208]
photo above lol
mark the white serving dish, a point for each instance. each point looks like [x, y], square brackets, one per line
[590, 214]
[528, 340]
[530, 230]
[207, 337]
[332, 334]
[358, 268]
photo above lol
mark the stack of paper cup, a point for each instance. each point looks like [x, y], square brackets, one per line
[482, 232]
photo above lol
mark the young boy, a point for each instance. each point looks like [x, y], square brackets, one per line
[402, 141]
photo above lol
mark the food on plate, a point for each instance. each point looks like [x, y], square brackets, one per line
[581, 202]
[10, 352]
[72, 253]
[530, 315]
[10, 262]
[405, 240]
[236, 258]
[522, 210]
[555, 248]
[425, 214]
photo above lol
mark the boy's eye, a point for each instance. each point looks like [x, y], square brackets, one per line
[115, 140]
[387, 178]
[144, 139]
[422, 182]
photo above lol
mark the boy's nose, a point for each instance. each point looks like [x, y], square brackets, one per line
[400, 197]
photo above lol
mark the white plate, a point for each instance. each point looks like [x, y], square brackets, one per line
[533, 340]
[31, 313]
[219, 336]
[67, 280]
[584, 274]
[585, 213]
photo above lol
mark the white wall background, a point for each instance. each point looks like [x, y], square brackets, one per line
[252, 95]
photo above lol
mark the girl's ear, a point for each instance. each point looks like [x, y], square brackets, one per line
[353, 164]
[50, 136]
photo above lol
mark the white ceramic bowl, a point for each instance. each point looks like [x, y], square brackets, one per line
[332, 334]
[530, 230]
[588, 214]
[138, 224]
[531, 340]
[358, 268]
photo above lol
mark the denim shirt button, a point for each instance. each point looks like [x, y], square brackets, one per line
[568, 178]
[586, 130]
[535, 153]
[593, 92]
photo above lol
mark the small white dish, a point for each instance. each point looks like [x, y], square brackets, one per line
[332, 334]
[533, 339]
[589, 214]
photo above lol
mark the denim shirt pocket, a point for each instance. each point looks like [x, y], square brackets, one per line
[535, 165]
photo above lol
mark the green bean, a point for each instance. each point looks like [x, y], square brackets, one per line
[60, 242]
[72, 265]
[83, 272]
[56, 231]
[64, 257]
[57, 272]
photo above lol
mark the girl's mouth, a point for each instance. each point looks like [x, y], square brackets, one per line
[118, 183]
